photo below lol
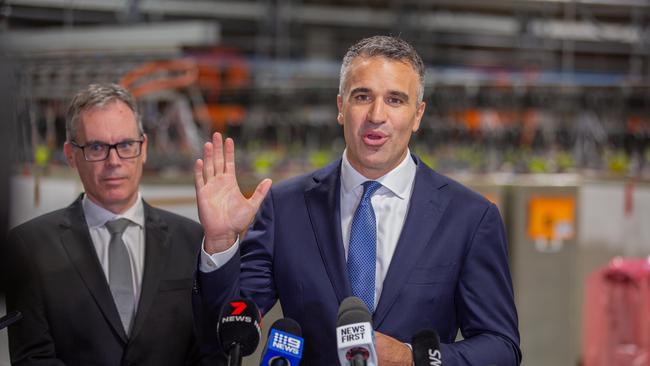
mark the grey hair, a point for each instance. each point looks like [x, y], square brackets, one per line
[97, 95]
[392, 48]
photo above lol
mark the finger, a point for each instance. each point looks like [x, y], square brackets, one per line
[229, 156]
[198, 175]
[260, 192]
[208, 166]
[217, 143]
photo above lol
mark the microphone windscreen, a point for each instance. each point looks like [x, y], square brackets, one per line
[353, 310]
[355, 340]
[284, 345]
[426, 348]
[287, 325]
[239, 322]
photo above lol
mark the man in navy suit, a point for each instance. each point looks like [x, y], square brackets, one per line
[439, 253]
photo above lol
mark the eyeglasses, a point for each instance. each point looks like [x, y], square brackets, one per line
[98, 151]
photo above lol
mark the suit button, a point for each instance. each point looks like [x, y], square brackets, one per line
[195, 287]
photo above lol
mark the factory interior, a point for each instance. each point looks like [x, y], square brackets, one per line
[542, 106]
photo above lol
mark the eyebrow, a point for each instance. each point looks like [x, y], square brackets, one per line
[106, 143]
[394, 93]
[359, 90]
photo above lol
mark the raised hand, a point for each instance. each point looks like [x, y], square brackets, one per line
[224, 212]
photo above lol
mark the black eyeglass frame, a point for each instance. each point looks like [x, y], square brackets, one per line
[108, 151]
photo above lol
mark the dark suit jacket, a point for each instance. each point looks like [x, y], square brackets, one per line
[449, 270]
[69, 315]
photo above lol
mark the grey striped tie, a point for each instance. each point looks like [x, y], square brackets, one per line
[120, 278]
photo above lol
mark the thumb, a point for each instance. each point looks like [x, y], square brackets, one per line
[260, 193]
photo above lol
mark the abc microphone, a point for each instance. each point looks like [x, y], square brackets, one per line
[284, 346]
[355, 338]
[426, 348]
[239, 329]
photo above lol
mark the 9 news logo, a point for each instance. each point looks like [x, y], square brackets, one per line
[284, 342]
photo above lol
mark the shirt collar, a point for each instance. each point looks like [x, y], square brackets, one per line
[97, 216]
[398, 180]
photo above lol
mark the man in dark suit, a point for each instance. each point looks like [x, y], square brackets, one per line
[107, 280]
[421, 250]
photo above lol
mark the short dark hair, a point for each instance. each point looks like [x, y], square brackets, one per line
[97, 95]
[389, 47]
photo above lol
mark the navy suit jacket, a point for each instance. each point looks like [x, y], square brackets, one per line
[449, 270]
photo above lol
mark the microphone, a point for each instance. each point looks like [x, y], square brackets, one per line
[10, 318]
[355, 338]
[284, 346]
[239, 329]
[426, 348]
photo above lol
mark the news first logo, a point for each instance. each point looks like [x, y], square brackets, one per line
[353, 334]
[287, 343]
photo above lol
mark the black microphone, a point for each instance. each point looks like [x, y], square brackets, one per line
[355, 338]
[239, 329]
[10, 318]
[426, 348]
[284, 345]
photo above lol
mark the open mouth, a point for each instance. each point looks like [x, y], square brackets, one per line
[374, 138]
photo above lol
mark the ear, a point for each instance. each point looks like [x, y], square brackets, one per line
[144, 148]
[68, 151]
[418, 116]
[339, 105]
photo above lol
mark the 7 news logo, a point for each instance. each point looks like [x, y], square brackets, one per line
[237, 308]
[285, 342]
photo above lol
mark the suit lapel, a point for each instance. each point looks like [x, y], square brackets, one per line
[427, 204]
[156, 251]
[78, 245]
[323, 205]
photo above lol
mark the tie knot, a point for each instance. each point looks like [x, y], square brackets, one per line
[117, 226]
[369, 188]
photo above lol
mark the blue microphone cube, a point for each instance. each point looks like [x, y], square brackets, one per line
[283, 346]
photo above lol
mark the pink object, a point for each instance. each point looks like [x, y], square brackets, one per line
[616, 322]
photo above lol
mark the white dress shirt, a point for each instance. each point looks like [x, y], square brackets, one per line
[96, 218]
[390, 202]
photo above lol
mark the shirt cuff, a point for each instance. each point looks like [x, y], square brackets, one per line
[411, 348]
[209, 263]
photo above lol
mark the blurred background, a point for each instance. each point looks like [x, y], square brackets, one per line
[543, 106]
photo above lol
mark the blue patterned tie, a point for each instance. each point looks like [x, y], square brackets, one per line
[362, 252]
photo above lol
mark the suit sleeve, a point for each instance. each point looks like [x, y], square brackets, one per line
[248, 274]
[485, 301]
[30, 341]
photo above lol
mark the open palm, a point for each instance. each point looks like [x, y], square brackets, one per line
[224, 212]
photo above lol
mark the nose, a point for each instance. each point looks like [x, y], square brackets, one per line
[113, 158]
[377, 112]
